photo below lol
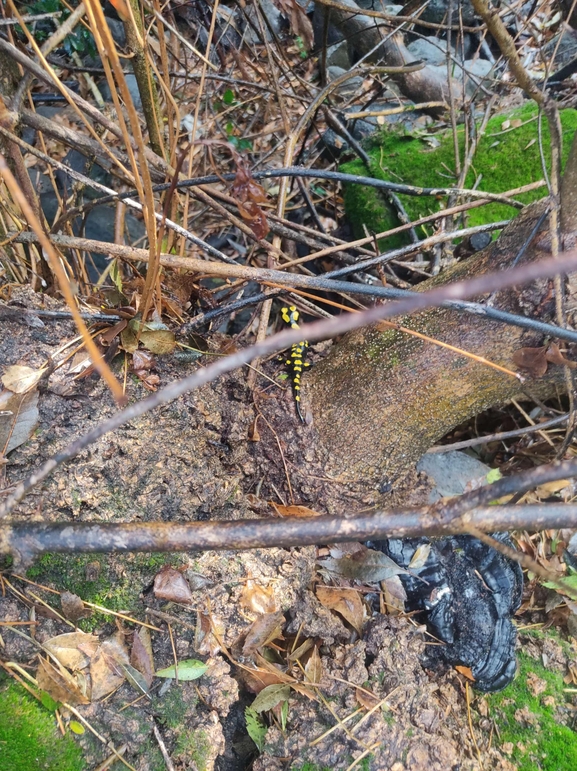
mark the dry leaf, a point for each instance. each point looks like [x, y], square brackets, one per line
[205, 641]
[265, 629]
[294, 511]
[18, 419]
[532, 359]
[171, 585]
[420, 556]
[72, 607]
[554, 356]
[367, 700]
[105, 670]
[258, 599]
[394, 589]
[20, 379]
[466, 672]
[301, 650]
[314, 667]
[141, 656]
[59, 684]
[368, 565]
[67, 648]
[346, 602]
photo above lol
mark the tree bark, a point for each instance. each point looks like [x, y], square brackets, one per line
[391, 396]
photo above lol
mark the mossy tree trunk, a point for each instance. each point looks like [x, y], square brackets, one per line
[382, 398]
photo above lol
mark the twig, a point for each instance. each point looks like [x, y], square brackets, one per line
[312, 332]
[499, 437]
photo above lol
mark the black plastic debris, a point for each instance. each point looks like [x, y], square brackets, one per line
[467, 593]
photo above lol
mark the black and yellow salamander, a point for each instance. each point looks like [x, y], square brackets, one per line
[297, 361]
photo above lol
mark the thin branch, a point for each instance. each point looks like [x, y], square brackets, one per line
[295, 280]
[312, 332]
[29, 540]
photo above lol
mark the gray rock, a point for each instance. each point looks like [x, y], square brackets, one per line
[339, 55]
[271, 14]
[451, 472]
[117, 30]
[436, 11]
[132, 87]
[350, 87]
[430, 49]
[380, 5]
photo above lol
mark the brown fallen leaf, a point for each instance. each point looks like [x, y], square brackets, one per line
[258, 599]
[72, 607]
[532, 359]
[18, 418]
[314, 667]
[141, 656]
[466, 672]
[206, 643]
[59, 684]
[70, 649]
[346, 602]
[366, 700]
[171, 585]
[554, 356]
[264, 630]
[105, 671]
[294, 511]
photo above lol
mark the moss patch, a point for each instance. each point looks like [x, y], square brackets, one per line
[193, 746]
[530, 724]
[115, 582]
[504, 160]
[29, 738]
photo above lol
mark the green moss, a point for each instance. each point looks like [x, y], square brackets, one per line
[171, 708]
[503, 160]
[116, 583]
[29, 738]
[540, 742]
[193, 746]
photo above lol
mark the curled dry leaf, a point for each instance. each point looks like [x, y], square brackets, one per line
[346, 602]
[554, 356]
[171, 585]
[258, 599]
[59, 684]
[264, 630]
[206, 643]
[248, 194]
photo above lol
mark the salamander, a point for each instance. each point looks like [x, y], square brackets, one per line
[297, 361]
